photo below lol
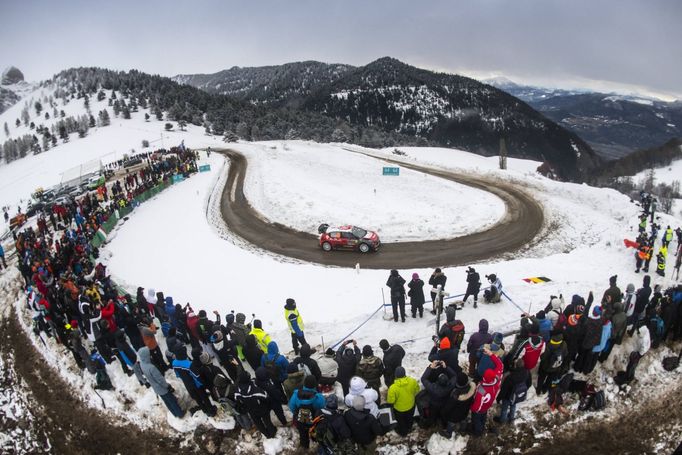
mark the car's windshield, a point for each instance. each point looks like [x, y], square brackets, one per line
[358, 232]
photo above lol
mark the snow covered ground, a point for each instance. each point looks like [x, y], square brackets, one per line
[667, 174]
[190, 260]
[193, 258]
[302, 184]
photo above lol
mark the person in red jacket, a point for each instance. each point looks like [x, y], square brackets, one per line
[486, 393]
[107, 313]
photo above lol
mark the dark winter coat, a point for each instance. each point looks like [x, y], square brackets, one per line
[370, 369]
[438, 393]
[436, 279]
[618, 323]
[514, 378]
[449, 356]
[253, 399]
[252, 352]
[416, 292]
[124, 348]
[274, 391]
[348, 362]
[473, 283]
[554, 357]
[281, 363]
[305, 359]
[479, 338]
[241, 330]
[397, 285]
[642, 296]
[456, 408]
[364, 427]
[393, 358]
[592, 336]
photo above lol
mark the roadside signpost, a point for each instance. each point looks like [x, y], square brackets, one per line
[391, 171]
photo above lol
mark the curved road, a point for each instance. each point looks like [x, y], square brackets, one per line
[521, 223]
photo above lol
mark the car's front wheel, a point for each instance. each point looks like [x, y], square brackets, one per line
[364, 248]
[326, 246]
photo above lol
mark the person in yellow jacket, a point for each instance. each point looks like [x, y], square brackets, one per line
[262, 338]
[667, 236]
[402, 395]
[295, 322]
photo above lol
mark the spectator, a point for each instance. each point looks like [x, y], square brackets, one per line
[401, 394]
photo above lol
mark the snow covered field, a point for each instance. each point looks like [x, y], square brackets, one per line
[176, 242]
[302, 184]
[188, 259]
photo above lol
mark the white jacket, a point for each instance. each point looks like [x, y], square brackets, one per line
[358, 387]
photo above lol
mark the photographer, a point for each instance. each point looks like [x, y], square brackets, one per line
[494, 294]
[473, 286]
[437, 278]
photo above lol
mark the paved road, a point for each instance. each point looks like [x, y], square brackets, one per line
[521, 223]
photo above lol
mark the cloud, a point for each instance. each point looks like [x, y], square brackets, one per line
[630, 43]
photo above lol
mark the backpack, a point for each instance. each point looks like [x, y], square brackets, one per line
[306, 414]
[319, 430]
[272, 368]
[519, 393]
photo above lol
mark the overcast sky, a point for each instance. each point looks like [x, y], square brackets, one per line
[617, 44]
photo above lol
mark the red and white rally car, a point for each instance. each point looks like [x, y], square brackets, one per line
[347, 238]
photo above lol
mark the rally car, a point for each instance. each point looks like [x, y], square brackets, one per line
[347, 238]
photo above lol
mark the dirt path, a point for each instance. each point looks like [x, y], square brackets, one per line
[60, 417]
[521, 223]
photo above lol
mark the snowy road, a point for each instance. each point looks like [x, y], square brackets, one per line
[522, 222]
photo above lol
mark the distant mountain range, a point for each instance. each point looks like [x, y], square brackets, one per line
[614, 125]
[393, 97]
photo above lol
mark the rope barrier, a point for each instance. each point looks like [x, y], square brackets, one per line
[358, 327]
[512, 302]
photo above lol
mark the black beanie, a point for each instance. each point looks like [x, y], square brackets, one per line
[383, 344]
[257, 324]
[310, 382]
[400, 372]
[367, 351]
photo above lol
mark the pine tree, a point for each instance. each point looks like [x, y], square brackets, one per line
[63, 135]
[169, 126]
[6, 130]
[32, 125]
[54, 140]
[38, 107]
[146, 116]
[25, 117]
[126, 113]
[104, 118]
[62, 114]
[117, 108]
[159, 114]
[18, 123]
[47, 116]
[182, 124]
[86, 102]
[101, 95]
[92, 122]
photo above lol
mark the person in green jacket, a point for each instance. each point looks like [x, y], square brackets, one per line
[402, 395]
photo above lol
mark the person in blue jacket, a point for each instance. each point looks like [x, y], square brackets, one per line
[545, 325]
[2, 256]
[305, 404]
[275, 363]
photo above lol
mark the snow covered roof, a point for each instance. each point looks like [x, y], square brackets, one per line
[81, 172]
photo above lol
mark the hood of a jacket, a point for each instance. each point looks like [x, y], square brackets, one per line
[169, 302]
[261, 374]
[471, 389]
[273, 349]
[483, 326]
[306, 351]
[357, 385]
[144, 355]
[240, 318]
[296, 376]
[647, 281]
[400, 382]
[556, 304]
